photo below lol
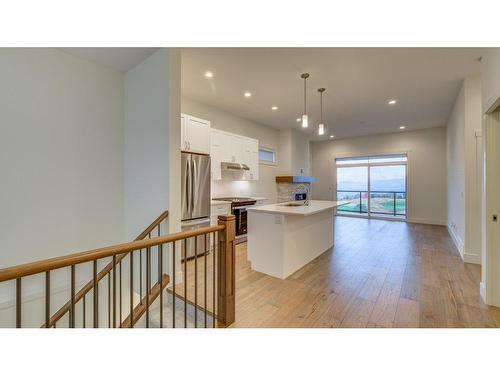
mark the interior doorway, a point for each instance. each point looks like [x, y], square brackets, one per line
[373, 186]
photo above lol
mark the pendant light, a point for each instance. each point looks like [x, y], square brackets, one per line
[305, 120]
[321, 127]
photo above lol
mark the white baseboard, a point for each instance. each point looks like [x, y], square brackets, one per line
[457, 241]
[417, 220]
[472, 258]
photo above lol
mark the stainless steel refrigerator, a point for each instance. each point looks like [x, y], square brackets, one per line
[195, 180]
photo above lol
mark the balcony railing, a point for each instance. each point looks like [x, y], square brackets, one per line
[392, 203]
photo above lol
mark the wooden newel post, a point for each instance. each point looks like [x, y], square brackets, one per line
[226, 272]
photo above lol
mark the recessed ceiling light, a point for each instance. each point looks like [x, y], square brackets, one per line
[332, 136]
[248, 94]
[392, 102]
[298, 119]
[209, 74]
[274, 108]
[402, 127]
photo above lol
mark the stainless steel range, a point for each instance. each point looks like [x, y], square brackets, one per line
[239, 210]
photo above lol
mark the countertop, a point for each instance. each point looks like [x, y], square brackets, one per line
[313, 208]
[216, 201]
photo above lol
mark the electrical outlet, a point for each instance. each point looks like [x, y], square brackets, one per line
[278, 219]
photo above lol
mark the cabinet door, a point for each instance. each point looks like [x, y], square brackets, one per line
[216, 153]
[238, 144]
[254, 160]
[198, 135]
[183, 133]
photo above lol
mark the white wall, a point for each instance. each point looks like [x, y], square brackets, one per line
[473, 169]
[267, 136]
[150, 135]
[456, 171]
[61, 145]
[296, 153]
[427, 168]
[152, 147]
[61, 161]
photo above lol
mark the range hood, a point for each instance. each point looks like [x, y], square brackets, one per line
[226, 166]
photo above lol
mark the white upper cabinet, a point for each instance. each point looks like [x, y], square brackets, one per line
[233, 148]
[220, 150]
[195, 134]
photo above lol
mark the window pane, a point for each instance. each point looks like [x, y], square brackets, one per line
[357, 160]
[398, 158]
[388, 178]
[352, 179]
[266, 155]
[388, 190]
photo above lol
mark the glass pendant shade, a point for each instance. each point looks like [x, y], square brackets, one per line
[321, 129]
[305, 121]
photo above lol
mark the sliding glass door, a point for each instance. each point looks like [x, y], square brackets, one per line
[373, 185]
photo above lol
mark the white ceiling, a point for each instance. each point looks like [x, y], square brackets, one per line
[358, 81]
[122, 59]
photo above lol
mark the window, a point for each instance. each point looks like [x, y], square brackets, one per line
[372, 185]
[267, 156]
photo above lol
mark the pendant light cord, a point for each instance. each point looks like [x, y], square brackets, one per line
[305, 95]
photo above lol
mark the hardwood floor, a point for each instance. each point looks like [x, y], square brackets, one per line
[379, 274]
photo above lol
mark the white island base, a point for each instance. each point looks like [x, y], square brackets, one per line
[282, 239]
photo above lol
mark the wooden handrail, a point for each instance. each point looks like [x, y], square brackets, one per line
[101, 274]
[149, 229]
[32, 268]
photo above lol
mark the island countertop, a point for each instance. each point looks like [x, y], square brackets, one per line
[314, 207]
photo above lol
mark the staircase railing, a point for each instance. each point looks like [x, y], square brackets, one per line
[216, 285]
[155, 225]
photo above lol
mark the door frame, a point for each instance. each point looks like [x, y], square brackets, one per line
[409, 192]
[490, 205]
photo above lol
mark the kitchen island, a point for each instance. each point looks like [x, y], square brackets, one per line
[284, 237]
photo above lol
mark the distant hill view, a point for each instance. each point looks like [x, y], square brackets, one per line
[377, 185]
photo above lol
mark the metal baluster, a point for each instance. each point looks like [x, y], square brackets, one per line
[120, 309]
[114, 291]
[196, 282]
[96, 297]
[213, 279]
[160, 277]
[173, 286]
[140, 276]
[47, 299]
[84, 310]
[72, 311]
[18, 302]
[185, 283]
[109, 300]
[148, 282]
[132, 289]
[205, 275]
[360, 203]
[394, 196]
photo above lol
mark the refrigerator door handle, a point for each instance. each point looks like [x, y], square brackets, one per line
[194, 184]
[189, 187]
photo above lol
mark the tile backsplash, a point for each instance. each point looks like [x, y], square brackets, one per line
[287, 190]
